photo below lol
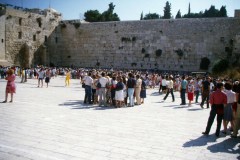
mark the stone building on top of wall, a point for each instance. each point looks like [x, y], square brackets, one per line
[24, 34]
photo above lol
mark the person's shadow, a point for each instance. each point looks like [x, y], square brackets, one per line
[200, 141]
[229, 145]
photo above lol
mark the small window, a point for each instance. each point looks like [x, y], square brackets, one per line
[56, 39]
[34, 37]
[20, 21]
[19, 35]
[45, 39]
[2, 40]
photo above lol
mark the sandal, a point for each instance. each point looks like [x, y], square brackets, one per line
[4, 101]
[10, 101]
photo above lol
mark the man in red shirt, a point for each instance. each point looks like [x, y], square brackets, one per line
[218, 100]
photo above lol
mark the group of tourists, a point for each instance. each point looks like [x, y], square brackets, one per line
[128, 89]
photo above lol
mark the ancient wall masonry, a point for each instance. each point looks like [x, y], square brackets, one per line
[133, 44]
[25, 34]
[33, 37]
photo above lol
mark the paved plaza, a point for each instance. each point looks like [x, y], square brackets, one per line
[54, 124]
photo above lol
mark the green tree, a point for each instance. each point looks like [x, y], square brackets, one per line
[189, 9]
[223, 12]
[178, 14]
[151, 16]
[212, 12]
[167, 11]
[109, 15]
[92, 16]
[220, 66]
[141, 17]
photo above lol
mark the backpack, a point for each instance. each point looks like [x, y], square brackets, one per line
[99, 85]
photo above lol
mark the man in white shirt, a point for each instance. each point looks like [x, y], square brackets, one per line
[170, 89]
[88, 88]
[102, 90]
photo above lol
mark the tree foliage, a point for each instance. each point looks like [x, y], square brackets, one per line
[220, 66]
[178, 15]
[96, 16]
[151, 16]
[211, 12]
[92, 16]
[167, 11]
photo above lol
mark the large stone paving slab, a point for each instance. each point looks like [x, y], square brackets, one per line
[53, 124]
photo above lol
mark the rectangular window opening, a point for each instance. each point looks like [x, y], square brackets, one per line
[19, 35]
[34, 37]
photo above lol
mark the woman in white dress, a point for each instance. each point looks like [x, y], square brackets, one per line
[119, 94]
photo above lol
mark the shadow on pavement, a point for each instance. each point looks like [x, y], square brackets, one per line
[78, 104]
[155, 94]
[200, 141]
[229, 145]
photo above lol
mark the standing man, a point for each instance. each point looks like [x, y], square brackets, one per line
[130, 88]
[183, 90]
[205, 92]
[218, 101]
[88, 88]
[102, 90]
[138, 89]
[170, 89]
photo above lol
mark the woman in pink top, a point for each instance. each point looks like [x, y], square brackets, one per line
[10, 88]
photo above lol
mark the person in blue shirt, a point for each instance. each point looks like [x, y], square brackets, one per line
[183, 90]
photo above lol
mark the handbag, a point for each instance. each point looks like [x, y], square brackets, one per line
[83, 85]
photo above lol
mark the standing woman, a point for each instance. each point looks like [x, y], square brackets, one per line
[11, 87]
[190, 92]
[143, 91]
[67, 79]
[48, 76]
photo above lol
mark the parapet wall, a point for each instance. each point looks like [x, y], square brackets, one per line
[181, 43]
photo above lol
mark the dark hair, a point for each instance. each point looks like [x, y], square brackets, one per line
[219, 85]
[228, 86]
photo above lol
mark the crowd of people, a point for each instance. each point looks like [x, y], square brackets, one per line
[127, 88]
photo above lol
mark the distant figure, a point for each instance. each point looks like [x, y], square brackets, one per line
[183, 90]
[48, 76]
[11, 87]
[190, 92]
[68, 77]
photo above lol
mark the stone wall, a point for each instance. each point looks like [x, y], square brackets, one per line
[181, 43]
[2, 37]
[26, 33]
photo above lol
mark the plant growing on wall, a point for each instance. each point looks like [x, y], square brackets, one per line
[179, 52]
[143, 50]
[98, 64]
[147, 55]
[77, 25]
[63, 25]
[158, 52]
[126, 39]
[204, 64]
[133, 64]
[220, 66]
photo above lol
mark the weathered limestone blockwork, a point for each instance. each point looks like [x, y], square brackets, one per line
[25, 35]
[40, 37]
[132, 44]
[2, 37]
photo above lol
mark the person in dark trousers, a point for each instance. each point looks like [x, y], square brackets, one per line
[170, 89]
[218, 101]
[183, 90]
[205, 92]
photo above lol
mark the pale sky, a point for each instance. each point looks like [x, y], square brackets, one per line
[126, 9]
